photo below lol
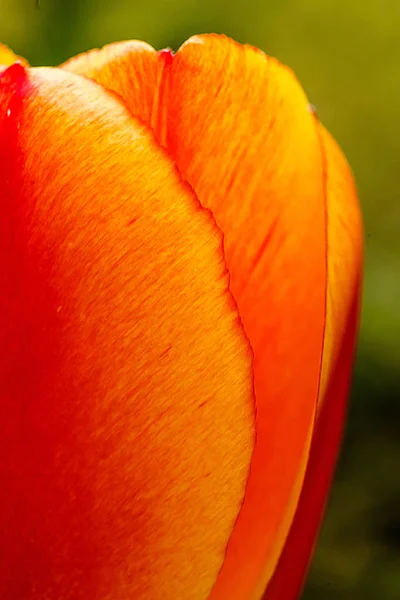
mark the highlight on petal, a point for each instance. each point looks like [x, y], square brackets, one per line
[127, 423]
[238, 127]
[345, 250]
[7, 57]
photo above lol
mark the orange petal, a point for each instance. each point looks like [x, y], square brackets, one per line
[126, 389]
[344, 269]
[7, 57]
[132, 70]
[242, 135]
[260, 172]
[238, 126]
[344, 232]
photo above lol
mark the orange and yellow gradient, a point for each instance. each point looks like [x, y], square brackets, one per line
[180, 270]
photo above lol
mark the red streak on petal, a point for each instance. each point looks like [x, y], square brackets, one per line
[159, 116]
[166, 55]
[13, 83]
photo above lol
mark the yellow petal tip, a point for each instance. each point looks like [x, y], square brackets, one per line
[8, 58]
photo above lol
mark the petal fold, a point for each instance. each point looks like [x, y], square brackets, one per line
[343, 303]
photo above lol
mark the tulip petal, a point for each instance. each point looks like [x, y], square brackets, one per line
[127, 422]
[344, 268]
[132, 70]
[241, 133]
[7, 57]
[238, 127]
[344, 234]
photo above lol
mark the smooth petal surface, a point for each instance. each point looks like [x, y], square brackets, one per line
[344, 233]
[132, 70]
[238, 127]
[127, 401]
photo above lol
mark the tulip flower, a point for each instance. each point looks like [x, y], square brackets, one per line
[181, 256]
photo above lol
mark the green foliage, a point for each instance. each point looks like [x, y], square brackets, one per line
[346, 53]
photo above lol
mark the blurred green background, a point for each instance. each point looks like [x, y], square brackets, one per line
[346, 53]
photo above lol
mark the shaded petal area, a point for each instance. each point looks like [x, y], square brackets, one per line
[127, 411]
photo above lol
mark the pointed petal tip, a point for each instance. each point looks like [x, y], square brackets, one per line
[12, 85]
[13, 73]
[8, 57]
[167, 55]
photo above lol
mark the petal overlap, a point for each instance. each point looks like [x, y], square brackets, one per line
[238, 127]
[344, 237]
[202, 229]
